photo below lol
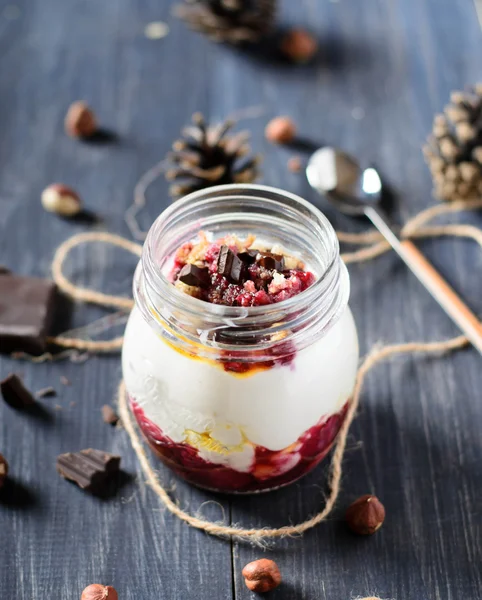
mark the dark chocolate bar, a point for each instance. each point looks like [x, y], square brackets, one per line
[271, 261]
[248, 256]
[195, 276]
[26, 311]
[15, 393]
[89, 469]
[229, 265]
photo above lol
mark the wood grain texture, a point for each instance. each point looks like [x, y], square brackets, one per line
[385, 67]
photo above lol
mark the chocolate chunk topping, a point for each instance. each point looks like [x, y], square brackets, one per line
[109, 415]
[229, 265]
[248, 257]
[26, 310]
[15, 393]
[271, 261]
[3, 470]
[89, 469]
[196, 276]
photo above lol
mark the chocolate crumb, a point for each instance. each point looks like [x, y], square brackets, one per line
[15, 393]
[248, 257]
[194, 276]
[47, 392]
[89, 469]
[229, 265]
[64, 380]
[109, 415]
[271, 261]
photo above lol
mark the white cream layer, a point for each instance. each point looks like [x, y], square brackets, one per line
[186, 397]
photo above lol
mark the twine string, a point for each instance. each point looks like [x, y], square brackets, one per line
[257, 535]
[372, 245]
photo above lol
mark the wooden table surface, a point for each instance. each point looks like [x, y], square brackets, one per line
[385, 67]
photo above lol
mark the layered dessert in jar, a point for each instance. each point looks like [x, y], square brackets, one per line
[240, 356]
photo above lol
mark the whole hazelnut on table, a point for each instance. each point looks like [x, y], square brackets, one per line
[62, 200]
[280, 130]
[261, 575]
[298, 45]
[365, 515]
[80, 120]
[96, 591]
[3, 470]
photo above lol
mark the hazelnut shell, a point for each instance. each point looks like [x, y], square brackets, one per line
[298, 45]
[62, 200]
[80, 120]
[261, 575]
[96, 591]
[280, 130]
[365, 515]
[3, 470]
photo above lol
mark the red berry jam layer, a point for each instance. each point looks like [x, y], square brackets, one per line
[232, 272]
[269, 469]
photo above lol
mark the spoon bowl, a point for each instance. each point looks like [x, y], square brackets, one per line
[339, 177]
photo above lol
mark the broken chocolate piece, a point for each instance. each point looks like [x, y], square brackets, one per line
[89, 469]
[195, 276]
[3, 470]
[248, 256]
[47, 392]
[229, 265]
[271, 261]
[15, 393]
[26, 310]
[109, 415]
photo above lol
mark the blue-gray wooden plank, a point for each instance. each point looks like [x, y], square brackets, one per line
[385, 68]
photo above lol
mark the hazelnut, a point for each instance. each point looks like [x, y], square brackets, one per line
[3, 470]
[298, 45]
[96, 591]
[294, 164]
[261, 575]
[80, 120]
[365, 515]
[59, 198]
[280, 130]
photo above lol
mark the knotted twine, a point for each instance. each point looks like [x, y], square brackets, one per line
[373, 245]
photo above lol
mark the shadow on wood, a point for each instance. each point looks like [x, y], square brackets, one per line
[16, 495]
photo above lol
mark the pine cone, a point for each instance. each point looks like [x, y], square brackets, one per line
[232, 21]
[454, 150]
[207, 157]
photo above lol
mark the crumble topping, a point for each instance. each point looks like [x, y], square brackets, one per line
[235, 272]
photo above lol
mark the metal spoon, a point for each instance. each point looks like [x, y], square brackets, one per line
[355, 192]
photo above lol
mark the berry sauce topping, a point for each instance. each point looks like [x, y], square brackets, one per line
[232, 272]
[269, 469]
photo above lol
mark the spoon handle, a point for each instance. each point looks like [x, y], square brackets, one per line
[443, 293]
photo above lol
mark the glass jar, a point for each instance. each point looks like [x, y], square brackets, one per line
[241, 399]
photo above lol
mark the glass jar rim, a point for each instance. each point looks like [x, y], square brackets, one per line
[192, 304]
[189, 321]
